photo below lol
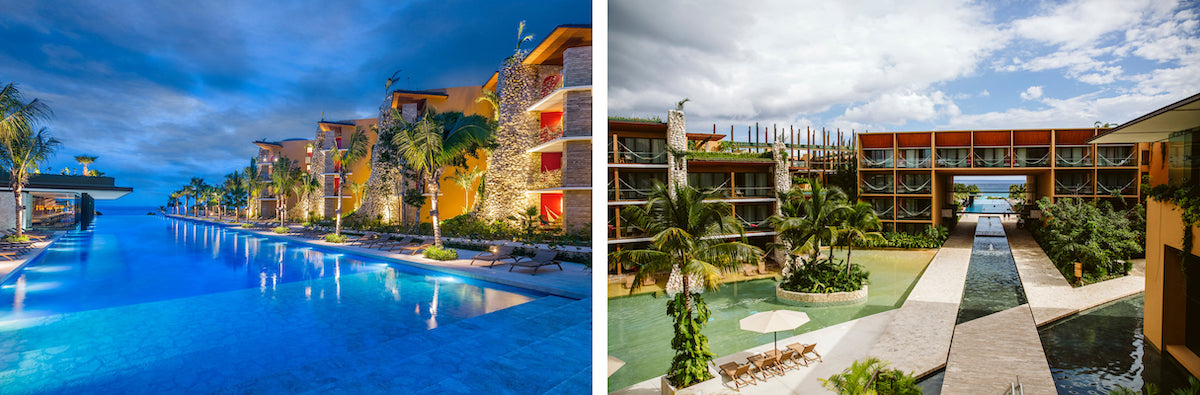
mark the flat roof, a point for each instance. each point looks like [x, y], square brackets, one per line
[1157, 125]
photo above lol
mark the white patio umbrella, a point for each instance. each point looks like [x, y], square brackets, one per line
[614, 364]
[773, 321]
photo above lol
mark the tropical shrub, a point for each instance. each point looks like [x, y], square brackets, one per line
[17, 239]
[1097, 236]
[247, 226]
[902, 240]
[335, 238]
[825, 275]
[281, 229]
[871, 376]
[441, 254]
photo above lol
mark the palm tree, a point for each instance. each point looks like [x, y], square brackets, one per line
[490, 97]
[356, 190]
[856, 379]
[194, 188]
[433, 142]
[860, 223]
[85, 161]
[682, 226]
[284, 175]
[174, 201]
[233, 191]
[23, 151]
[253, 187]
[810, 218]
[357, 148]
[17, 116]
[465, 179]
[306, 183]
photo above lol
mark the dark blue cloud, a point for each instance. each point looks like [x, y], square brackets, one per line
[164, 91]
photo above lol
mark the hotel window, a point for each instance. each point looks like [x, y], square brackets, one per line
[1183, 157]
[877, 158]
[1114, 155]
[991, 157]
[637, 186]
[718, 183]
[915, 183]
[1066, 183]
[877, 183]
[1074, 156]
[1032, 157]
[753, 216]
[754, 185]
[914, 157]
[952, 157]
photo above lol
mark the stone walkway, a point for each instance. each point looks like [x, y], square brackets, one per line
[992, 352]
[918, 338]
[574, 281]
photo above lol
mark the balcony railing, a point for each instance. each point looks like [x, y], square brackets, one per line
[905, 213]
[1084, 188]
[755, 191]
[953, 157]
[991, 162]
[957, 162]
[877, 186]
[876, 163]
[921, 185]
[918, 162]
[1102, 160]
[1073, 161]
[626, 155]
[1110, 187]
[1032, 162]
[550, 84]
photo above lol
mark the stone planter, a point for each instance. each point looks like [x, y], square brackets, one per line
[805, 299]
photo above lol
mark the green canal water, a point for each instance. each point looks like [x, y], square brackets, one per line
[639, 330]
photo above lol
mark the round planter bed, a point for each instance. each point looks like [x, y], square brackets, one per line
[805, 299]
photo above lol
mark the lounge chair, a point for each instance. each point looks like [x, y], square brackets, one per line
[501, 253]
[789, 359]
[768, 366]
[804, 350]
[32, 235]
[362, 239]
[382, 239]
[413, 249]
[10, 255]
[542, 258]
[738, 373]
[391, 243]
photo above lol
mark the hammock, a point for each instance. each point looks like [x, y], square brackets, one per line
[1030, 162]
[960, 162]
[629, 189]
[908, 162]
[877, 188]
[921, 188]
[718, 188]
[885, 162]
[748, 223]
[1108, 190]
[1104, 161]
[884, 213]
[641, 155]
[991, 162]
[1082, 161]
[906, 213]
[1074, 189]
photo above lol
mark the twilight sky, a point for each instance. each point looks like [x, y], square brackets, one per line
[163, 91]
[903, 65]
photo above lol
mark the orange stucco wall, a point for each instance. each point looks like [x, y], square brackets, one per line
[454, 198]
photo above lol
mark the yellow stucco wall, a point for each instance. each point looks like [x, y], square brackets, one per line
[1164, 324]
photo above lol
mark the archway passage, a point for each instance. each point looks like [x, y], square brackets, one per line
[987, 194]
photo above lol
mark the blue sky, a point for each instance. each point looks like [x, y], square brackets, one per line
[164, 91]
[900, 66]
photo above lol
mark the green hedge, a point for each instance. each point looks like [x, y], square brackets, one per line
[332, 238]
[441, 254]
[281, 229]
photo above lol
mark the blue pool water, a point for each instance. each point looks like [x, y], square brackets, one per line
[989, 204]
[992, 284]
[145, 304]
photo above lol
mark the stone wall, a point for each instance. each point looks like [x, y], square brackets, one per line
[577, 164]
[511, 167]
[577, 210]
[676, 143]
[577, 66]
[577, 114]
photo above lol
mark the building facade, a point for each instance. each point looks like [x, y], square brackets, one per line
[909, 176]
[299, 150]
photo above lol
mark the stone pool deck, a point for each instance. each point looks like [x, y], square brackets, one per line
[574, 281]
[9, 267]
[989, 354]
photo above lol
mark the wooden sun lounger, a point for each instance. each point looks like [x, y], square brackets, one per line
[407, 241]
[738, 374]
[412, 250]
[542, 258]
[804, 350]
[501, 253]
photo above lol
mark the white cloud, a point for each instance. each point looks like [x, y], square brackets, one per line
[779, 62]
[1032, 93]
[899, 107]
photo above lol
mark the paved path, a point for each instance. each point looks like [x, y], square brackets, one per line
[574, 281]
[990, 353]
[1049, 294]
[918, 338]
[839, 346]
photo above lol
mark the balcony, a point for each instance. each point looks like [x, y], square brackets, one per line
[647, 153]
[1111, 184]
[913, 162]
[991, 157]
[548, 134]
[877, 159]
[1032, 157]
[1115, 156]
[913, 212]
[1073, 188]
[915, 185]
[953, 157]
[742, 191]
[877, 184]
[1073, 157]
[883, 208]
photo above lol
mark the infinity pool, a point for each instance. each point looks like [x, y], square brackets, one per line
[639, 330]
[146, 304]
